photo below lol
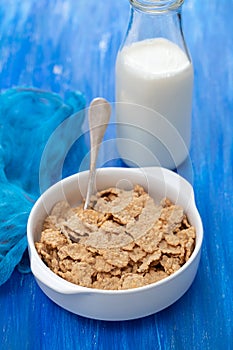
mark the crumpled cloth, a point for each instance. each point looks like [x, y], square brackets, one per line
[28, 118]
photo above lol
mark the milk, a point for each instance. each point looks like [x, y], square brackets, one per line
[154, 83]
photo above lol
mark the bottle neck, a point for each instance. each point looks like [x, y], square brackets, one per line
[156, 6]
[163, 22]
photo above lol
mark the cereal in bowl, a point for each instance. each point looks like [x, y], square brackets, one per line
[124, 240]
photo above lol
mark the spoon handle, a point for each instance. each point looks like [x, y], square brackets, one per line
[98, 116]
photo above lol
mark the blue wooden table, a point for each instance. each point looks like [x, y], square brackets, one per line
[69, 44]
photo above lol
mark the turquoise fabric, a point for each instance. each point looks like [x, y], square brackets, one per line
[28, 118]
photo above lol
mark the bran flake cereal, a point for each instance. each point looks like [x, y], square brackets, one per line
[123, 241]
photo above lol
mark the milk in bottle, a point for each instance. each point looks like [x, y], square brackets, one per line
[157, 75]
[154, 83]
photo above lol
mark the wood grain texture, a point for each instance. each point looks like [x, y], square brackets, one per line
[69, 44]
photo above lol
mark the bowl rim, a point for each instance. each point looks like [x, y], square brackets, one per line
[72, 288]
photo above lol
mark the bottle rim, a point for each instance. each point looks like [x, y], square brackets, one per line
[156, 5]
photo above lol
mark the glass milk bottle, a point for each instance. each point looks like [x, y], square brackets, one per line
[154, 83]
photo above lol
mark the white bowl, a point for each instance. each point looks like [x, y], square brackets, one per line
[112, 304]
